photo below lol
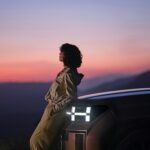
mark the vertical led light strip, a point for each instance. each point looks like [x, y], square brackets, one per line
[73, 114]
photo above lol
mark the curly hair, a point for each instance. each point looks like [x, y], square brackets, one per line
[72, 55]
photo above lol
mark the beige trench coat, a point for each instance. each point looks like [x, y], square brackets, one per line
[61, 93]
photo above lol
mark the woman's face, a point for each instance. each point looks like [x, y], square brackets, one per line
[61, 56]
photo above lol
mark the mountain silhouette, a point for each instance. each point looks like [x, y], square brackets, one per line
[141, 80]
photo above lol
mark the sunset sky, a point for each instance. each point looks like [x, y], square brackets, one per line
[113, 35]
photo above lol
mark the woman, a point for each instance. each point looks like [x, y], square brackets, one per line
[62, 92]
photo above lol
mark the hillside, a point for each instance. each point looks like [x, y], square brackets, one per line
[135, 81]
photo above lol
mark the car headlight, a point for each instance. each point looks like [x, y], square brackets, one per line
[84, 113]
[76, 113]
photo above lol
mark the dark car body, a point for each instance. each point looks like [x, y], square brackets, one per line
[118, 120]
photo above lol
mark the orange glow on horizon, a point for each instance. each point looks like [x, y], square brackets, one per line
[35, 71]
[46, 71]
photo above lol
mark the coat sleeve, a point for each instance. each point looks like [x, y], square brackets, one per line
[70, 92]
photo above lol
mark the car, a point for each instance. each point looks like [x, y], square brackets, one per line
[116, 120]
